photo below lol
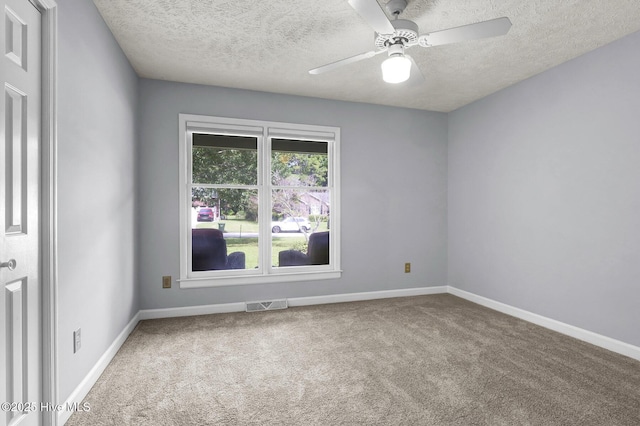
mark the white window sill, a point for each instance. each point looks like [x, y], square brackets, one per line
[257, 279]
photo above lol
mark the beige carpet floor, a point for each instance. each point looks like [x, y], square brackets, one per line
[428, 360]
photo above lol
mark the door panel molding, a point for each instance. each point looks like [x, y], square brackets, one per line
[16, 39]
[16, 158]
[17, 348]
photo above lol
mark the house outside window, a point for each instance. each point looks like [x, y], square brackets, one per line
[259, 201]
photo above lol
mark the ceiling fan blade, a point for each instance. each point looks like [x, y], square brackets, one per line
[492, 28]
[371, 12]
[338, 64]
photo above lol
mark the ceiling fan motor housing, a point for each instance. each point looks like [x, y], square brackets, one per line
[406, 32]
[396, 7]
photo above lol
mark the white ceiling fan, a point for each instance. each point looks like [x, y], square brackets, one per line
[398, 35]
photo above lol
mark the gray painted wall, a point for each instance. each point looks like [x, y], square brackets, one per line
[544, 193]
[97, 259]
[394, 172]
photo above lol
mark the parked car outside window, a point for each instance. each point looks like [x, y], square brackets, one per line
[205, 215]
[291, 224]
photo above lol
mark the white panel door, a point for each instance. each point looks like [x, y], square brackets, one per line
[20, 318]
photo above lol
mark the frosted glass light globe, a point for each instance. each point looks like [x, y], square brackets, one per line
[396, 69]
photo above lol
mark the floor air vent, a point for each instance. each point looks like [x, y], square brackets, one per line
[267, 306]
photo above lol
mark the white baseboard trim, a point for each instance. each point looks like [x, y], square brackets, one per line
[370, 295]
[188, 311]
[295, 301]
[581, 334]
[92, 377]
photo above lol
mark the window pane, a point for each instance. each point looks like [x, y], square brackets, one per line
[299, 163]
[224, 229]
[205, 205]
[300, 227]
[225, 160]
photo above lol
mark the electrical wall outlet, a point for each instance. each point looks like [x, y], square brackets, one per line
[166, 281]
[77, 341]
[407, 268]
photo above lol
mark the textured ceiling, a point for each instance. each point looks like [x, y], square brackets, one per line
[270, 45]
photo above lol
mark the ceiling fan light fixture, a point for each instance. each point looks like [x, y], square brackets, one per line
[396, 69]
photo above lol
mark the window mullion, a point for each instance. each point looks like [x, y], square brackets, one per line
[264, 204]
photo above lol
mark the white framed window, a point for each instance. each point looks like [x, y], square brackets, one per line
[259, 201]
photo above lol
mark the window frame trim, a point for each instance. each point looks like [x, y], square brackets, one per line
[264, 131]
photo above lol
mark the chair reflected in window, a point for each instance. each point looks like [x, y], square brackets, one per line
[317, 252]
[209, 251]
